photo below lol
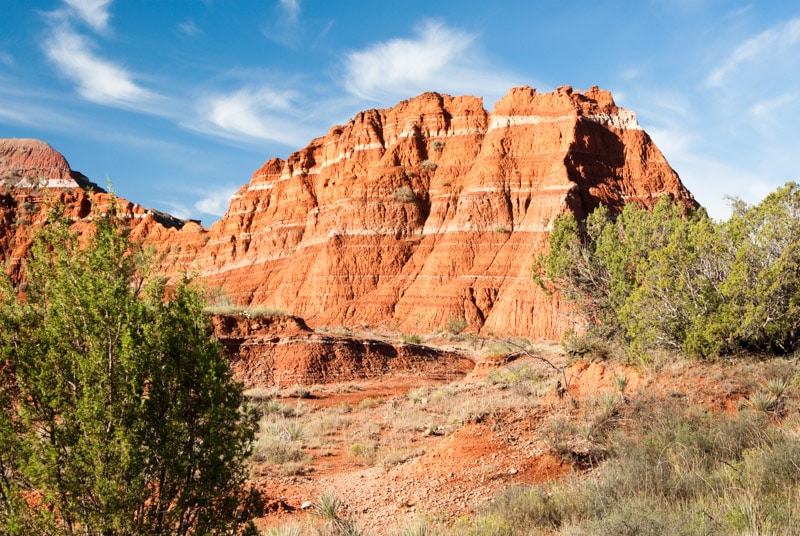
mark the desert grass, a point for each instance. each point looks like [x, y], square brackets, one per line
[646, 461]
[673, 470]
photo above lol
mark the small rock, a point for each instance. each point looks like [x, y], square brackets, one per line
[512, 471]
[306, 505]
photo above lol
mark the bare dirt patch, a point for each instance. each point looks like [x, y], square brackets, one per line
[437, 443]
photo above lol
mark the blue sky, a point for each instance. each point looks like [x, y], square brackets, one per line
[177, 102]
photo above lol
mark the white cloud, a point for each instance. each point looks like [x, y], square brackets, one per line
[20, 112]
[93, 12]
[179, 210]
[438, 58]
[188, 27]
[216, 201]
[767, 43]
[291, 8]
[713, 181]
[772, 111]
[98, 79]
[6, 59]
[285, 30]
[674, 142]
[259, 113]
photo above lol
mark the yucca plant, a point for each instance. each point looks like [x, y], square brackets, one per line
[762, 400]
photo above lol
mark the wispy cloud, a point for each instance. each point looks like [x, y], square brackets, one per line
[285, 28]
[177, 209]
[98, 80]
[95, 13]
[195, 203]
[188, 27]
[771, 111]
[6, 59]
[768, 43]
[437, 58]
[216, 201]
[256, 113]
[21, 110]
[291, 8]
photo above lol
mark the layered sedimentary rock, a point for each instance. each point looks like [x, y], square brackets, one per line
[432, 210]
[34, 178]
[408, 217]
[282, 351]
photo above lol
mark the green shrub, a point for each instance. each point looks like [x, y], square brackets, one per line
[428, 165]
[404, 194]
[369, 402]
[327, 506]
[411, 338]
[673, 278]
[124, 417]
[512, 375]
[456, 324]
[673, 471]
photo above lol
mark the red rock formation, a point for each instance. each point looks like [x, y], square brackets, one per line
[431, 210]
[406, 217]
[282, 351]
[35, 177]
[33, 164]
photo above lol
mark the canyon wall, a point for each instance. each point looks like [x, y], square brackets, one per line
[408, 217]
[431, 210]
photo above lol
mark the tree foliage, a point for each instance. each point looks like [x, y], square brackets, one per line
[668, 278]
[119, 412]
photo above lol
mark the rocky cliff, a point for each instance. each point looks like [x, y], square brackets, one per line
[408, 217]
[34, 177]
[282, 351]
[432, 210]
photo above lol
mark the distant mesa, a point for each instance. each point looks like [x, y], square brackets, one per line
[30, 164]
[411, 217]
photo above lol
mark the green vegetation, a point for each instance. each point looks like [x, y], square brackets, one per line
[456, 324]
[328, 509]
[244, 311]
[404, 194]
[428, 165]
[118, 412]
[645, 461]
[410, 338]
[679, 471]
[668, 279]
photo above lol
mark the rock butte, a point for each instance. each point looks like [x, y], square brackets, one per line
[33, 177]
[405, 217]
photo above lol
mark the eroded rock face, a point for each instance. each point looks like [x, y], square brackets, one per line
[35, 177]
[405, 217]
[431, 210]
[33, 164]
[282, 351]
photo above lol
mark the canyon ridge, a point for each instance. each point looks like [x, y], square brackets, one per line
[408, 218]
